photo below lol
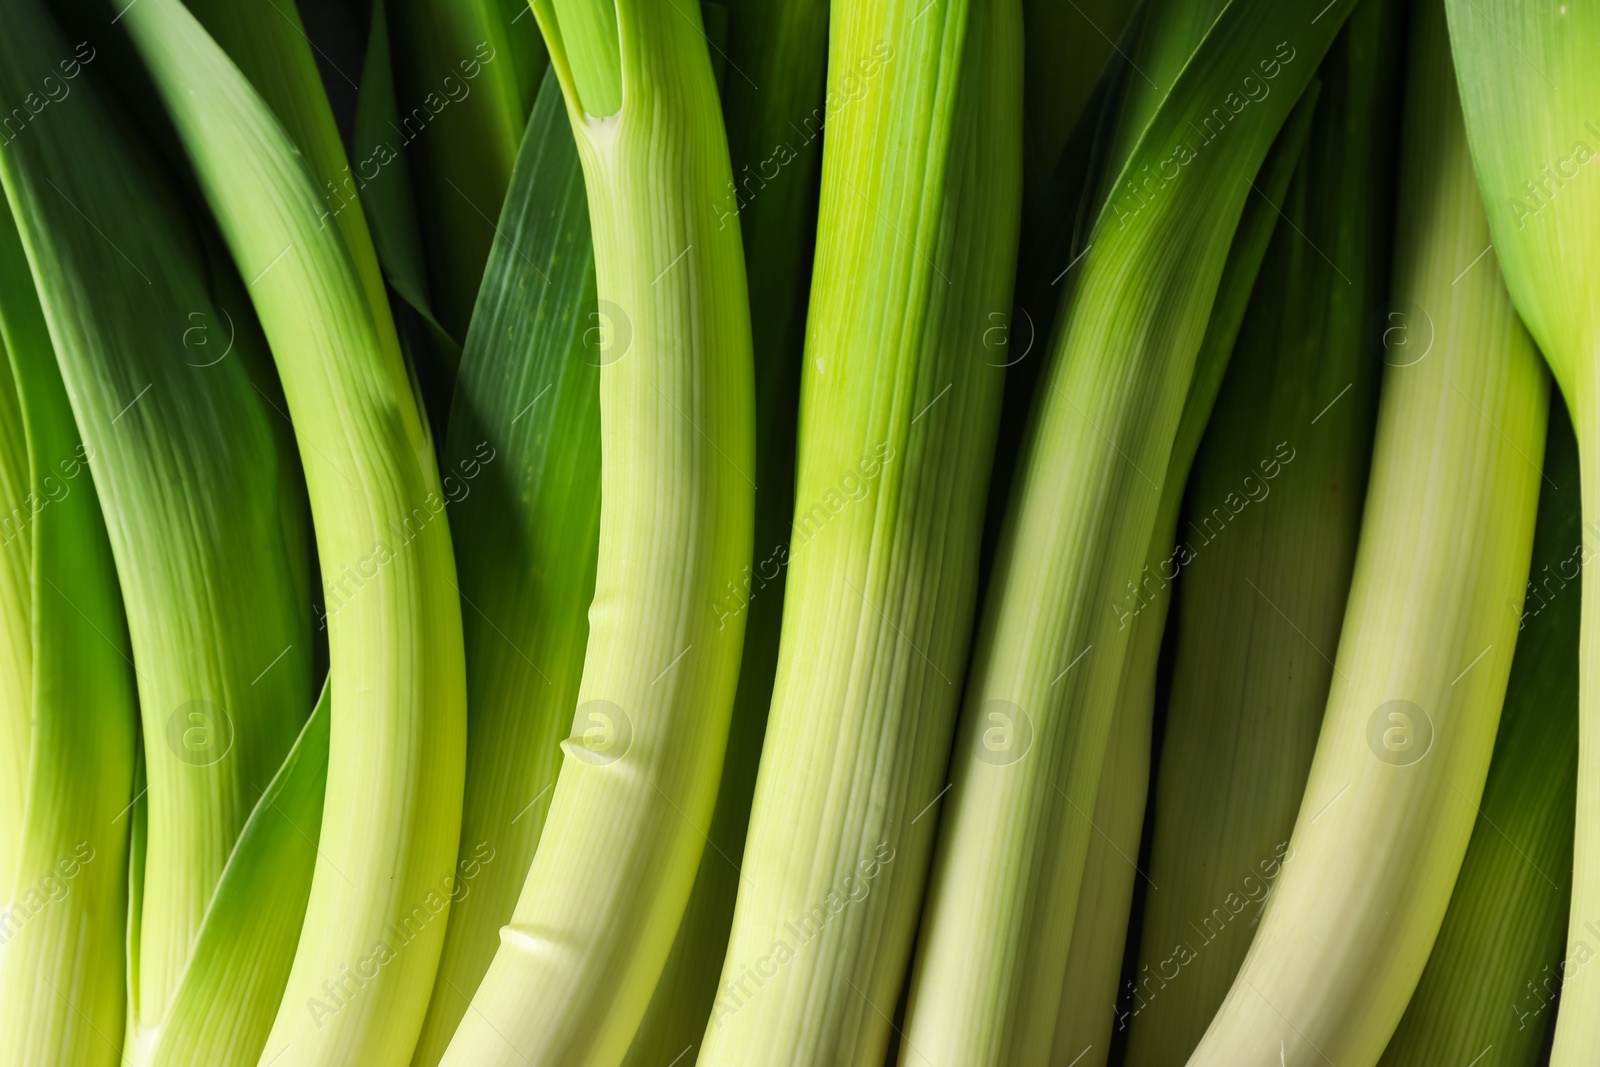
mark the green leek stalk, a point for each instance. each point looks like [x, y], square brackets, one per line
[522, 465]
[379, 901]
[467, 74]
[1427, 642]
[987, 982]
[1105, 901]
[62, 997]
[271, 50]
[1064, 148]
[1500, 943]
[1277, 502]
[916, 246]
[1534, 141]
[625, 829]
[16, 622]
[187, 465]
[782, 47]
[1100, 929]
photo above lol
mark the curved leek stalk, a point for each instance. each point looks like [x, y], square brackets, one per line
[1100, 928]
[1427, 641]
[1248, 688]
[1530, 89]
[64, 914]
[1500, 944]
[987, 984]
[270, 48]
[370, 943]
[1105, 902]
[467, 74]
[782, 46]
[625, 829]
[187, 465]
[897, 425]
[523, 460]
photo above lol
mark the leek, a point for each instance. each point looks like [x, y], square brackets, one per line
[62, 994]
[625, 829]
[1492, 978]
[269, 47]
[1083, 1025]
[379, 900]
[240, 958]
[187, 466]
[987, 983]
[1533, 139]
[1426, 644]
[522, 466]
[781, 47]
[916, 243]
[1277, 500]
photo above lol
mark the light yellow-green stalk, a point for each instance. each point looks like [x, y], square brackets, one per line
[1420, 672]
[268, 45]
[915, 249]
[1500, 945]
[626, 825]
[782, 47]
[523, 464]
[379, 901]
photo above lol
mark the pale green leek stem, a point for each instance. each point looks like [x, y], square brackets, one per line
[1495, 971]
[916, 246]
[625, 829]
[1427, 641]
[523, 461]
[270, 47]
[370, 943]
[781, 46]
[1105, 900]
